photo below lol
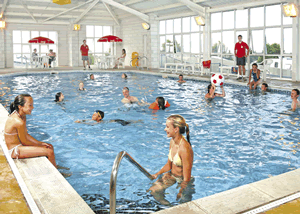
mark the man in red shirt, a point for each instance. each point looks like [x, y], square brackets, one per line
[84, 49]
[241, 55]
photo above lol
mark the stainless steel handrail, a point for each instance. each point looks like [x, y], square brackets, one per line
[113, 177]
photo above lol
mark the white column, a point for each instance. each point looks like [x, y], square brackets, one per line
[2, 49]
[153, 55]
[207, 37]
[296, 39]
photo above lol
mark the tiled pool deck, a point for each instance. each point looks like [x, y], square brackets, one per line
[237, 200]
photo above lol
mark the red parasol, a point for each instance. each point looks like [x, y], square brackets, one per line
[110, 38]
[41, 40]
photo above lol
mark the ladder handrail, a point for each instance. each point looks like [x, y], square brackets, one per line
[113, 177]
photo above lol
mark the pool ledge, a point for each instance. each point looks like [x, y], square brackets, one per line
[41, 181]
[243, 198]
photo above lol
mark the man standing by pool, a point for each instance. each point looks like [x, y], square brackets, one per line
[241, 55]
[84, 49]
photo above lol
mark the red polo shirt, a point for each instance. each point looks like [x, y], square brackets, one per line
[241, 49]
[84, 50]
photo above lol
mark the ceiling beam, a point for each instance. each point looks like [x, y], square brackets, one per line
[111, 13]
[68, 10]
[194, 7]
[132, 2]
[128, 9]
[169, 6]
[56, 9]
[31, 21]
[25, 7]
[86, 11]
[176, 15]
[3, 8]
[243, 5]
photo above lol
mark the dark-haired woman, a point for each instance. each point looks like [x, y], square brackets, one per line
[211, 92]
[59, 97]
[122, 57]
[20, 144]
[159, 103]
[180, 159]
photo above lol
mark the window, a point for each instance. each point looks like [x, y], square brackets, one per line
[273, 15]
[228, 20]
[22, 50]
[180, 40]
[216, 42]
[241, 19]
[93, 33]
[273, 41]
[216, 21]
[288, 40]
[257, 17]
[257, 41]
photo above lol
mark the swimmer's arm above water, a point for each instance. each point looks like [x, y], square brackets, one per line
[221, 95]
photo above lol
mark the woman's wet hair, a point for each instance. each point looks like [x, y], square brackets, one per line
[57, 96]
[179, 121]
[124, 51]
[101, 113]
[297, 91]
[161, 103]
[19, 101]
[265, 84]
[209, 87]
[125, 75]
[254, 64]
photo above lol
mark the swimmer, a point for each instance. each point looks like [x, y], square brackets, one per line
[159, 103]
[180, 160]
[59, 97]
[81, 87]
[20, 144]
[181, 79]
[256, 76]
[294, 96]
[124, 76]
[98, 117]
[92, 76]
[127, 98]
[264, 87]
[211, 92]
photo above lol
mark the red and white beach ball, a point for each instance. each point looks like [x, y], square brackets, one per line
[217, 79]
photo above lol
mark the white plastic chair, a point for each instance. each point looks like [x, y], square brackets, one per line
[192, 63]
[266, 68]
[121, 62]
[102, 61]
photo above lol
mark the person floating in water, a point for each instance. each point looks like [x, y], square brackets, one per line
[20, 144]
[124, 76]
[127, 98]
[92, 76]
[256, 76]
[264, 87]
[180, 160]
[181, 79]
[81, 87]
[296, 102]
[159, 103]
[211, 92]
[59, 97]
[98, 118]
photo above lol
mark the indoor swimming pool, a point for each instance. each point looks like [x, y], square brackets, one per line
[242, 138]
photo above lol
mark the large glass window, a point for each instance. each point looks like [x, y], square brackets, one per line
[180, 41]
[93, 33]
[22, 50]
[263, 34]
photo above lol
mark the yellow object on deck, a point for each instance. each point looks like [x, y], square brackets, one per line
[134, 57]
[62, 2]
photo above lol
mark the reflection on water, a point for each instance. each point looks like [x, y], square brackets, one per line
[243, 138]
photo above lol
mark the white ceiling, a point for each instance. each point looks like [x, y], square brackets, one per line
[42, 9]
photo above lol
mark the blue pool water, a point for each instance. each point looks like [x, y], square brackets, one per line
[240, 139]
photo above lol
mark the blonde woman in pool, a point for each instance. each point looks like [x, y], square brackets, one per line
[20, 144]
[180, 160]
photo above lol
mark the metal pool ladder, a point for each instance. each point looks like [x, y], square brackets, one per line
[113, 177]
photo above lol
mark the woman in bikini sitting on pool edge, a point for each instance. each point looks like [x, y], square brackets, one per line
[20, 144]
[180, 160]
